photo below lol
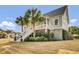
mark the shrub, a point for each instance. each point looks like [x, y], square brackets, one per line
[31, 39]
[45, 34]
[38, 39]
[3, 35]
[40, 36]
[51, 36]
[45, 39]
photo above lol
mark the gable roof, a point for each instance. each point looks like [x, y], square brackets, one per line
[56, 12]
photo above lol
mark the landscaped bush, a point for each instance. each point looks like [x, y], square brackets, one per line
[51, 36]
[45, 34]
[3, 35]
[40, 36]
[31, 39]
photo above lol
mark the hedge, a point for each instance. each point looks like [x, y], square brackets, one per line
[40, 36]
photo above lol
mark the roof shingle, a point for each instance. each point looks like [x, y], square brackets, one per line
[56, 12]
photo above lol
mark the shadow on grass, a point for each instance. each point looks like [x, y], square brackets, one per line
[47, 41]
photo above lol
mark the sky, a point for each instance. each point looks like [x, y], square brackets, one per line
[8, 14]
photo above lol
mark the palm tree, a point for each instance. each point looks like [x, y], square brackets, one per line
[20, 21]
[35, 17]
[26, 17]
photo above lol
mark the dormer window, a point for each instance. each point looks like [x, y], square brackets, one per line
[56, 21]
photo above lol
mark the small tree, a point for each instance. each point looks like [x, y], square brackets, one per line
[74, 30]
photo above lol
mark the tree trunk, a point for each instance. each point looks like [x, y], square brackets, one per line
[22, 32]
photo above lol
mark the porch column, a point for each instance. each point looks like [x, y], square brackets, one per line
[46, 25]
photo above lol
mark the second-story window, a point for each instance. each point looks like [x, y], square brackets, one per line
[56, 21]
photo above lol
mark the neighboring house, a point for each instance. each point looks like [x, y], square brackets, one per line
[56, 21]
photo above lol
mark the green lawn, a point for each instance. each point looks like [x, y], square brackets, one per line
[40, 47]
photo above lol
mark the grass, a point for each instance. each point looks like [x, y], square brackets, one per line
[4, 40]
[50, 47]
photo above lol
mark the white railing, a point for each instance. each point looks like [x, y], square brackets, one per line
[42, 26]
[27, 33]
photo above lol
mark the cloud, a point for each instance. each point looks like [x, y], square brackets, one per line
[73, 20]
[7, 25]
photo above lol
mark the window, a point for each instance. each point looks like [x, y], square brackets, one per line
[56, 21]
